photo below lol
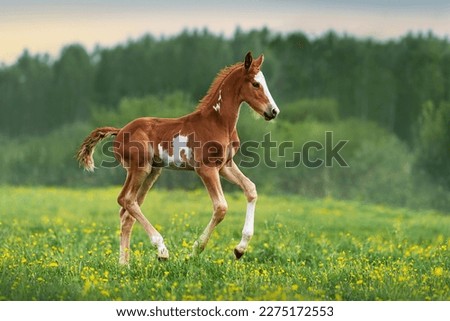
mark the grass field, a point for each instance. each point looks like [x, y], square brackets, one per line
[62, 244]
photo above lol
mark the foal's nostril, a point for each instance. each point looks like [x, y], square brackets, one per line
[271, 113]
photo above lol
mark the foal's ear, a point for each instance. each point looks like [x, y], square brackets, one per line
[259, 61]
[248, 60]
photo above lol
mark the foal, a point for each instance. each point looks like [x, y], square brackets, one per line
[204, 141]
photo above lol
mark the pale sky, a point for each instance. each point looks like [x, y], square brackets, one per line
[48, 25]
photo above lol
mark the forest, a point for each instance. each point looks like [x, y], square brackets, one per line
[389, 100]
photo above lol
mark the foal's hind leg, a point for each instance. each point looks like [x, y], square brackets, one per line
[126, 225]
[233, 174]
[127, 221]
[138, 181]
[148, 183]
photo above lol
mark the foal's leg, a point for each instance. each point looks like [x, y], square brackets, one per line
[211, 179]
[126, 225]
[127, 221]
[148, 183]
[233, 174]
[138, 181]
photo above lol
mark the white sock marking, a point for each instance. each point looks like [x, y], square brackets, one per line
[247, 231]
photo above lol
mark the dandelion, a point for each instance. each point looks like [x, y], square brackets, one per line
[86, 287]
[438, 271]
[104, 293]
[53, 264]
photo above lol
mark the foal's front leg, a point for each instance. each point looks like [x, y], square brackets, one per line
[233, 174]
[211, 179]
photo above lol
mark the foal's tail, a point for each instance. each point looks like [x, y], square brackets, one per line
[86, 150]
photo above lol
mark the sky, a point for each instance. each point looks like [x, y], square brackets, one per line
[46, 26]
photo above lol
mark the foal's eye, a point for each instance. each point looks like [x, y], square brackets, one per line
[255, 84]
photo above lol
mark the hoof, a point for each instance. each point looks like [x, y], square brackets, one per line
[238, 254]
[124, 264]
[163, 255]
[163, 258]
[197, 249]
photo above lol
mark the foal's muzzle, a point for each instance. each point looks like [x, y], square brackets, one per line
[271, 113]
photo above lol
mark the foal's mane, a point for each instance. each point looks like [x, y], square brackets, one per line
[211, 95]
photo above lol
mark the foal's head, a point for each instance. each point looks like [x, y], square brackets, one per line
[255, 91]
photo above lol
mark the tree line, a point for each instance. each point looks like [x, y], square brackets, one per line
[385, 82]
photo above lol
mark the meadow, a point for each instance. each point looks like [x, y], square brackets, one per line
[62, 244]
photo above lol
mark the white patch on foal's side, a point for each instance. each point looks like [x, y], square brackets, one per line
[181, 152]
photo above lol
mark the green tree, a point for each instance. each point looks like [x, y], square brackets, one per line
[73, 86]
[24, 91]
[433, 143]
[420, 77]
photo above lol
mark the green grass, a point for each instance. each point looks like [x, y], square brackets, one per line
[62, 244]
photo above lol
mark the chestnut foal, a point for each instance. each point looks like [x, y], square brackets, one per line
[204, 141]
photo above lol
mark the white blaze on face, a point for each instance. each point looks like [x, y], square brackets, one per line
[260, 78]
[181, 152]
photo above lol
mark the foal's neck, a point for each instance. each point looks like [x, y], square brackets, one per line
[223, 109]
